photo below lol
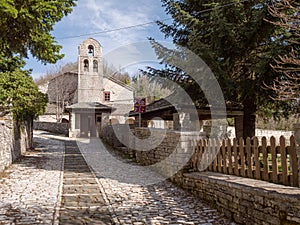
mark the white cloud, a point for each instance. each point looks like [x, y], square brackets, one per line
[90, 16]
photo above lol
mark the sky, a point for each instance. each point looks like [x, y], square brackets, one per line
[95, 16]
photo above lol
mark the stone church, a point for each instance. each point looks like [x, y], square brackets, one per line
[96, 100]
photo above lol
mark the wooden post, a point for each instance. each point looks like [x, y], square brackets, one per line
[242, 155]
[274, 160]
[219, 155]
[249, 157]
[229, 151]
[283, 152]
[236, 158]
[256, 158]
[215, 155]
[294, 163]
[210, 153]
[265, 159]
[224, 157]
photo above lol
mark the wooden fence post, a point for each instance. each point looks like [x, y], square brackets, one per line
[274, 160]
[249, 157]
[256, 158]
[283, 154]
[294, 163]
[242, 157]
[236, 158]
[265, 159]
[229, 151]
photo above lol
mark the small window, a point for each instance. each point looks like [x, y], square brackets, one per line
[86, 65]
[107, 96]
[95, 66]
[90, 50]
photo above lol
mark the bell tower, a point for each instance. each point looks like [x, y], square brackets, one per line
[90, 71]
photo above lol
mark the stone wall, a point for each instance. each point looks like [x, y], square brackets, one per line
[13, 142]
[7, 146]
[170, 150]
[109, 135]
[246, 201]
[161, 151]
[57, 128]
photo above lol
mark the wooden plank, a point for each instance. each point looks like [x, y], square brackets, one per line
[203, 164]
[265, 159]
[195, 145]
[283, 154]
[215, 155]
[249, 156]
[210, 154]
[200, 155]
[205, 152]
[236, 158]
[242, 156]
[229, 151]
[224, 157]
[256, 158]
[274, 160]
[220, 156]
[294, 162]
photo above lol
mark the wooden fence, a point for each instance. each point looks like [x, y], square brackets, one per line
[269, 162]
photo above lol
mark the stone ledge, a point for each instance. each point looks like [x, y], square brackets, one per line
[246, 201]
[264, 187]
[57, 128]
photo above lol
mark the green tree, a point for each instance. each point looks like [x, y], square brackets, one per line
[26, 26]
[20, 96]
[236, 42]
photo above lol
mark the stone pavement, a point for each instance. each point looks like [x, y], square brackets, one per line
[91, 189]
[82, 200]
[29, 189]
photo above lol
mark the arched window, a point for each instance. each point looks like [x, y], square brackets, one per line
[90, 50]
[86, 65]
[95, 66]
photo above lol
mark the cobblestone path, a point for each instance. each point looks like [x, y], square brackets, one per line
[29, 189]
[55, 185]
[133, 203]
[82, 201]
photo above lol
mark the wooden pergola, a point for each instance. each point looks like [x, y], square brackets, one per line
[169, 112]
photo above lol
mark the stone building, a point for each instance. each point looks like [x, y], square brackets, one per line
[90, 99]
[100, 100]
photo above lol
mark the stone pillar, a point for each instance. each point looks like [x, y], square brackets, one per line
[238, 124]
[176, 123]
[297, 133]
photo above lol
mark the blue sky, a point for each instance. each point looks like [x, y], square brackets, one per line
[91, 16]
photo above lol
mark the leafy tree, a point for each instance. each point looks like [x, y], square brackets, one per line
[26, 26]
[236, 42]
[20, 96]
